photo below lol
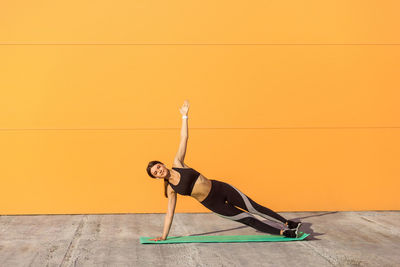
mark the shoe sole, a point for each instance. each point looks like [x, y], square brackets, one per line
[298, 233]
[297, 228]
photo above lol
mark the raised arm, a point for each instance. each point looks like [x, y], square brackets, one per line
[180, 155]
[184, 111]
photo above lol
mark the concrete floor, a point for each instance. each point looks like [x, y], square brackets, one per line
[367, 238]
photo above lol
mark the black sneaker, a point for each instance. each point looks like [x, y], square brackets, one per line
[294, 225]
[290, 233]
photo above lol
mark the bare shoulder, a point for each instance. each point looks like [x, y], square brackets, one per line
[179, 164]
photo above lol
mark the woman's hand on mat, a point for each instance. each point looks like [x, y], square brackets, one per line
[185, 107]
[158, 238]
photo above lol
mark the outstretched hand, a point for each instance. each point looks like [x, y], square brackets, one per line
[185, 108]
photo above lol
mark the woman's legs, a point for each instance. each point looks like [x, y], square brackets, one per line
[247, 218]
[218, 202]
[239, 199]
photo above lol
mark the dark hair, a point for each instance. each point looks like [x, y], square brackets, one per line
[149, 166]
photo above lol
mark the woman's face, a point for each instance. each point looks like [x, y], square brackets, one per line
[159, 171]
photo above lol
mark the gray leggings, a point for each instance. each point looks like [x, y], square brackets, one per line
[223, 198]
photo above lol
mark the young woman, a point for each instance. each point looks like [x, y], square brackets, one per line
[220, 197]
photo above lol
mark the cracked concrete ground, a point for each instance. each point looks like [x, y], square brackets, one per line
[344, 238]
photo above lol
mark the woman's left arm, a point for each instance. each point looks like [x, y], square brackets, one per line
[184, 111]
[180, 155]
[184, 129]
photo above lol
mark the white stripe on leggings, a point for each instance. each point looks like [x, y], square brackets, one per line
[237, 217]
[250, 207]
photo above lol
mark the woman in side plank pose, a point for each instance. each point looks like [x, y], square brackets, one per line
[218, 196]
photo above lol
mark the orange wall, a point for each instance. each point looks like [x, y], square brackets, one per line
[296, 103]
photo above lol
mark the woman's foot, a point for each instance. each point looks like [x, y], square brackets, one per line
[293, 225]
[290, 233]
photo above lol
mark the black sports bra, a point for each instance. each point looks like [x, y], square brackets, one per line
[188, 178]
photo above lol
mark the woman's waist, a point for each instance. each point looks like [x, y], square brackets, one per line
[201, 188]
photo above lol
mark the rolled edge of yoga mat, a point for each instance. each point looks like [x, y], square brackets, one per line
[222, 239]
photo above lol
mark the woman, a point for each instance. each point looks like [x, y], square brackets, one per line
[220, 197]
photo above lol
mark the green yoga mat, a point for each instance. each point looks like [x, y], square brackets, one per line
[222, 239]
